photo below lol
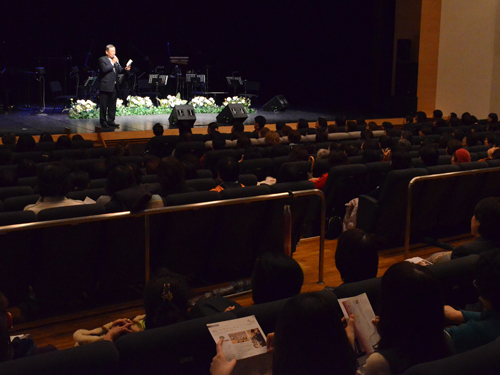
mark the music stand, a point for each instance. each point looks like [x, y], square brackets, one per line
[235, 82]
[157, 80]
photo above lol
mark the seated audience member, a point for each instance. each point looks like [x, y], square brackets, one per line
[493, 153]
[421, 117]
[425, 131]
[332, 128]
[211, 128]
[279, 126]
[156, 144]
[491, 140]
[492, 122]
[458, 134]
[336, 157]
[360, 120]
[298, 153]
[366, 134]
[262, 132]
[385, 142]
[400, 159]
[351, 126]
[409, 119]
[53, 184]
[302, 124]
[460, 156]
[411, 303]
[453, 145]
[350, 150]
[404, 145]
[321, 123]
[437, 114]
[250, 151]
[294, 137]
[25, 143]
[321, 135]
[218, 141]
[309, 340]
[408, 135]
[166, 302]
[475, 329]
[322, 154]
[63, 143]
[276, 276]
[8, 139]
[20, 346]
[340, 121]
[483, 226]
[470, 140]
[258, 124]
[151, 163]
[272, 138]
[429, 156]
[77, 137]
[125, 194]
[438, 123]
[237, 130]
[372, 125]
[45, 138]
[190, 164]
[356, 256]
[285, 131]
[228, 170]
[171, 177]
[370, 144]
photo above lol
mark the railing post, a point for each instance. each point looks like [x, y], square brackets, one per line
[287, 230]
[322, 239]
[408, 220]
[147, 246]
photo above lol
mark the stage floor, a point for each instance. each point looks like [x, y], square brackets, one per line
[27, 122]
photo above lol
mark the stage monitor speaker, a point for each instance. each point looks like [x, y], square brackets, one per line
[278, 103]
[232, 114]
[182, 116]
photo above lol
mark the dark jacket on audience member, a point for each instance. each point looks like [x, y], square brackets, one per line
[478, 246]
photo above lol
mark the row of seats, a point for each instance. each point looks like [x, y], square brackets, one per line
[188, 348]
[60, 260]
[441, 207]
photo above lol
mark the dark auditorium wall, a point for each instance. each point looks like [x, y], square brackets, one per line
[321, 54]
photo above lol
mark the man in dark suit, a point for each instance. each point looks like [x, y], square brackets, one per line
[109, 68]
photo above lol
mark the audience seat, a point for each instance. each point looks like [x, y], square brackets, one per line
[183, 348]
[18, 203]
[17, 217]
[91, 193]
[27, 181]
[68, 212]
[258, 167]
[190, 198]
[202, 184]
[250, 191]
[292, 186]
[101, 183]
[15, 191]
[483, 360]
[98, 358]
[204, 173]
[248, 179]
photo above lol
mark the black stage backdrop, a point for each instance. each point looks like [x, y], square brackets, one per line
[334, 55]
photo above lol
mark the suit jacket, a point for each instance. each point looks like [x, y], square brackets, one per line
[107, 77]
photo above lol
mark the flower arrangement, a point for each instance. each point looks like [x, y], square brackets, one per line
[137, 105]
[83, 109]
[171, 101]
[204, 105]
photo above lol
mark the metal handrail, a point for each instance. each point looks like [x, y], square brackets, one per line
[189, 207]
[440, 176]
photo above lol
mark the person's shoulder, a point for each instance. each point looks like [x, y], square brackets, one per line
[376, 364]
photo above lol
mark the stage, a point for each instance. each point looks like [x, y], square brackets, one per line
[30, 122]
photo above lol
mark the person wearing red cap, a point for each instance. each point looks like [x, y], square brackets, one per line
[460, 156]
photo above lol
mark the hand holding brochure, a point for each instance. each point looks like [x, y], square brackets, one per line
[365, 330]
[242, 337]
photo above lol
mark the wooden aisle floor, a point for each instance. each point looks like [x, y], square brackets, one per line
[60, 334]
